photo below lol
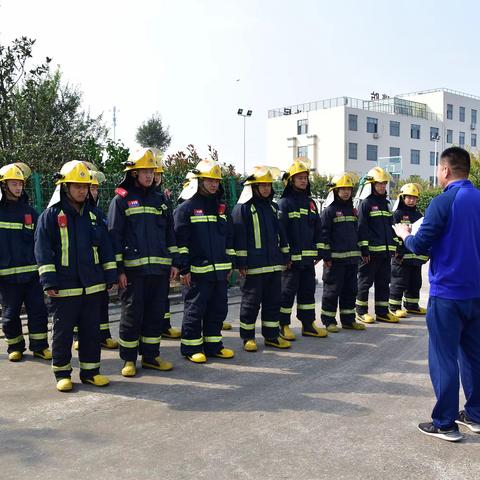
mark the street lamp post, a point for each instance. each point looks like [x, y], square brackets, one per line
[248, 113]
[435, 139]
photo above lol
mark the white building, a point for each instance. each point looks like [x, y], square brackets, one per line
[350, 134]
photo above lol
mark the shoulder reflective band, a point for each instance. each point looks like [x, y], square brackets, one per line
[64, 242]
[344, 219]
[89, 366]
[95, 255]
[241, 253]
[203, 218]
[323, 246]
[138, 262]
[247, 326]
[18, 270]
[128, 344]
[353, 253]
[150, 340]
[305, 306]
[183, 250]
[13, 341]
[109, 265]
[50, 267]
[192, 343]
[11, 225]
[63, 368]
[271, 269]
[270, 324]
[380, 213]
[328, 314]
[139, 210]
[212, 339]
[256, 228]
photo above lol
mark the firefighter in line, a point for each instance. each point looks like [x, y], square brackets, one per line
[205, 244]
[341, 254]
[301, 222]
[262, 254]
[19, 281]
[406, 280]
[76, 265]
[377, 245]
[141, 227]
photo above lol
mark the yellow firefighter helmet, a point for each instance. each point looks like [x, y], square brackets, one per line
[262, 175]
[299, 165]
[412, 189]
[207, 169]
[344, 180]
[97, 177]
[15, 171]
[144, 158]
[74, 171]
[377, 175]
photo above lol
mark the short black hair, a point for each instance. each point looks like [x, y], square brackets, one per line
[458, 159]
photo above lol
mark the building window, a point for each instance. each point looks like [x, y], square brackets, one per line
[394, 152]
[449, 111]
[394, 128]
[449, 136]
[415, 157]
[372, 153]
[461, 138]
[352, 151]
[352, 122]
[432, 159]
[372, 125]
[473, 140]
[415, 131]
[461, 114]
[474, 118]
[302, 127]
[431, 181]
[433, 133]
[302, 151]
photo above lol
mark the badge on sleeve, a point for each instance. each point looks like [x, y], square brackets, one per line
[133, 203]
[221, 209]
[197, 211]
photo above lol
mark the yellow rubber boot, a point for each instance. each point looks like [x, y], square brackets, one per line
[15, 356]
[109, 343]
[226, 326]
[225, 353]
[97, 380]
[389, 318]
[353, 326]
[420, 311]
[400, 313]
[197, 357]
[156, 364]
[75, 345]
[172, 333]
[314, 331]
[286, 333]
[45, 354]
[129, 369]
[332, 328]
[64, 385]
[278, 342]
[250, 345]
[365, 318]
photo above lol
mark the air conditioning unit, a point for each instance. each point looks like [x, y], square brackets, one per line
[376, 135]
[473, 126]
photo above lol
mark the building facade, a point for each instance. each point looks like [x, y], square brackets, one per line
[351, 134]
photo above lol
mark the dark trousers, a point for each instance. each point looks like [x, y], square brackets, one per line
[205, 309]
[104, 319]
[406, 283]
[454, 346]
[144, 303]
[339, 288]
[167, 324]
[265, 290]
[84, 311]
[299, 282]
[14, 295]
[377, 273]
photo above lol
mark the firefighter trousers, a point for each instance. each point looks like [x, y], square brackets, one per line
[104, 322]
[406, 283]
[205, 309]
[339, 288]
[265, 290]
[84, 311]
[376, 272]
[167, 324]
[144, 302]
[14, 295]
[299, 282]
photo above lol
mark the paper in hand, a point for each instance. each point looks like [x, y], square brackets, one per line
[416, 225]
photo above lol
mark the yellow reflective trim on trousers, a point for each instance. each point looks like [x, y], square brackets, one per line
[38, 336]
[18, 270]
[285, 310]
[95, 255]
[260, 270]
[128, 344]
[63, 368]
[230, 251]
[104, 326]
[89, 366]
[305, 306]
[412, 256]
[395, 302]
[109, 265]
[173, 249]
[270, 324]
[381, 304]
[285, 249]
[193, 343]
[183, 250]
[247, 326]
[241, 253]
[100, 287]
[361, 303]
[150, 340]
[11, 225]
[139, 210]
[13, 341]
[138, 262]
[119, 257]
[346, 218]
[328, 314]
[323, 246]
[203, 218]
[64, 243]
[353, 253]
[46, 268]
[309, 253]
[347, 311]
[411, 300]
[212, 339]
[256, 228]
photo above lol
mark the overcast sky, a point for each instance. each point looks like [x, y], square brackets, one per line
[196, 62]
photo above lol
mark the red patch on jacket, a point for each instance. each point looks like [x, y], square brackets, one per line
[198, 211]
[221, 209]
[313, 207]
[121, 191]
[62, 220]
[27, 219]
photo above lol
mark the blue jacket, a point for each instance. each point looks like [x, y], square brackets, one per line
[17, 226]
[73, 250]
[450, 232]
[260, 243]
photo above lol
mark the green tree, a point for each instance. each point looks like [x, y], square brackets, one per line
[319, 185]
[153, 133]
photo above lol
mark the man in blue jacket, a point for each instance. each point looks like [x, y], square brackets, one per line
[450, 233]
